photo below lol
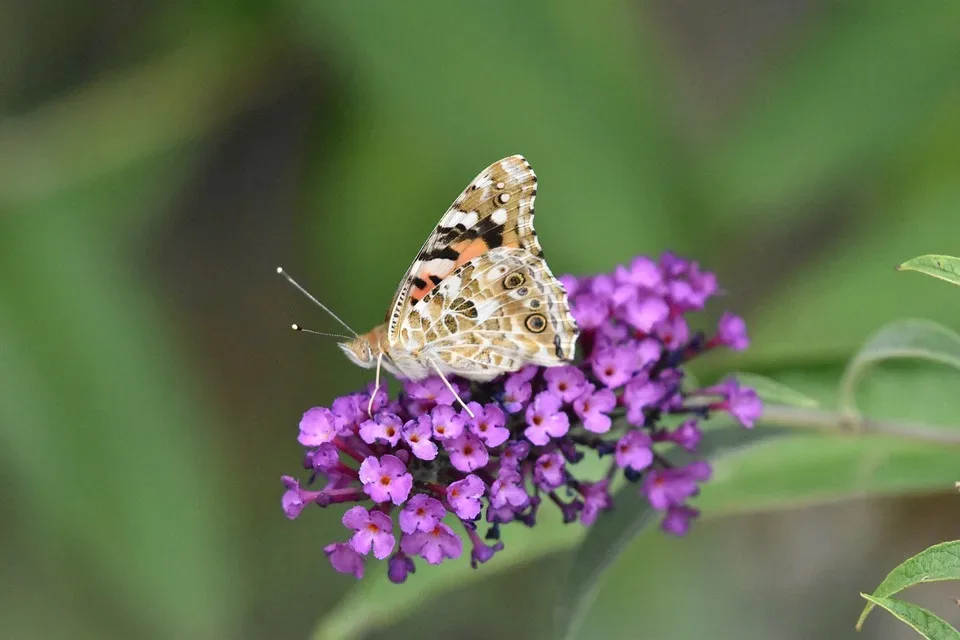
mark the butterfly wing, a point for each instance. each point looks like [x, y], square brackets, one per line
[495, 210]
[496, 313]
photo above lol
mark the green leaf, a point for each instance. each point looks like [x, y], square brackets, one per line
[926, 623]
[772, 391]
[614, 530]
[939, 562]
[909, 338]
[942, 267]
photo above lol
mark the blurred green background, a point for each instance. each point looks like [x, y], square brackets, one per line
[159, 159]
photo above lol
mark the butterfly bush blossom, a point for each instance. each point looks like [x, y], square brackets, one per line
[422, 477]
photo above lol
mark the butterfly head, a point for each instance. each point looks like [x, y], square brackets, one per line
[364, 349]
[360, 351]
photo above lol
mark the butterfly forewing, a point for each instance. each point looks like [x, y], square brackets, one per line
[495, 210]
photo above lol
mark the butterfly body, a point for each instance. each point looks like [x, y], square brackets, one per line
[479, 300]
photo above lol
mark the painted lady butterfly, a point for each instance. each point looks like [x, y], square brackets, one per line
[479, 300]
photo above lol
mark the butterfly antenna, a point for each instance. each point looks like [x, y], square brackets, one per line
[297, 327]
[314, 300]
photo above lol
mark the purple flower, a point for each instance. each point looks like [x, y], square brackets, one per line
[647, 351]
[678, 518]
[567, 381]
[545, 419]
[517, 392]
[665, 487]
[399, 567]
[317, 426]
[467, 453]
[549, 470]
[434, 545]
[464, 496]
[596, 498]
[385, 479]
[488, 424]
[613, 366]
[481, 551]
[324, 458]
[683, 295]
[527, 373]
[743, 404]
[416, 433]
[674, 332]
[643, 273]
[592, 408]
[422, 513]
[704, 284]
[732, 332]
[344, 559]
[291, 500]
[590, 311]
[385, 427]
[514, 453]
[673, 265]
[351, 410]
[643, 315]
[571, 284]
[373, 530]
[507, 490]
[634, 452]
[431, 391]
[447, 423]
[639, 394]
[687, 435]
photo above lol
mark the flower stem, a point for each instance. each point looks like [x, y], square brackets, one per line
[837, 422]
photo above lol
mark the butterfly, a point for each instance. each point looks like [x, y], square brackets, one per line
[479, 300]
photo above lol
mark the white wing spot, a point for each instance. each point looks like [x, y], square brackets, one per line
[500, 185]
[500, 215]
[503, 198]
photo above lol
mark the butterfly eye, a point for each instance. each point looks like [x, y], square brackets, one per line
[513, 281]
[536, 323]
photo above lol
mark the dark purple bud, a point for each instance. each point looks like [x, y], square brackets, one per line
[606, 448]
[399, 567]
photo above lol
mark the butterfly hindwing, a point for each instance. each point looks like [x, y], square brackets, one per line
[495, 210]
[497, 313]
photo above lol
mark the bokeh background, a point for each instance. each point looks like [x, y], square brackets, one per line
[159, 159]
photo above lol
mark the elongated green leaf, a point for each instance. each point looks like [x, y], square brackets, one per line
[614, 531]
[772, 391]
[909, 338]
[939, 562]
[942, 267]
[926, 623]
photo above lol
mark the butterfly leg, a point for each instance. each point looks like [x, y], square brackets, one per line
[452, 390]
[376, 386]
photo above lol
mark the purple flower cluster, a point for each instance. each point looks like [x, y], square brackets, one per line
[422, 465]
